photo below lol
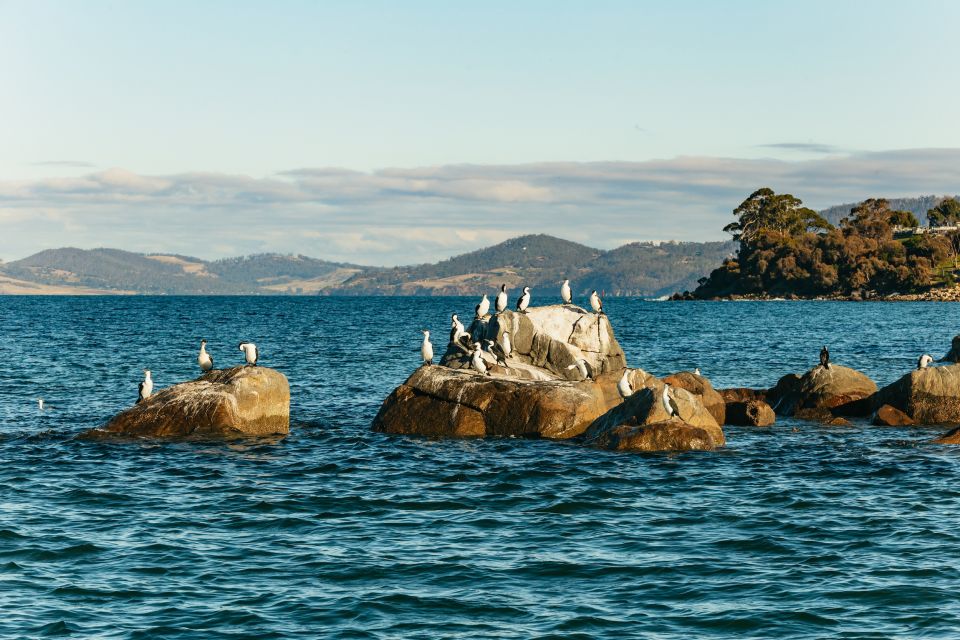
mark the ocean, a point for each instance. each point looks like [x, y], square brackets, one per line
[795, 531]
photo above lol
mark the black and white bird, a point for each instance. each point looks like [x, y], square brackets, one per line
[524, 301]
[825, 357]
[506, 344]
[586, 371]
[426, 349]
[925, 361]
[595, 302]
[565, 293]
[456, 324]
[696, 371]
[459, 336]
[501, 301]
[145, 388]
[250, 353]
[669, 404]
[623, 387]
[483, 308]
[204, 359]
[477, 363]
[497, 352]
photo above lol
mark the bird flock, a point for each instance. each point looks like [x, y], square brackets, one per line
[145, 389]
[501, 351]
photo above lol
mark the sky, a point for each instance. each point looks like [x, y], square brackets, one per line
[393, 133]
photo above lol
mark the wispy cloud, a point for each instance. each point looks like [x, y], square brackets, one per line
[401, 215]
[805, 147]
[72, 164]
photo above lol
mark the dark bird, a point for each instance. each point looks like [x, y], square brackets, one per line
[825, 357]
[497, 351]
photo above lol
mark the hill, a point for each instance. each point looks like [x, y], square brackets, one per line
[917, 206]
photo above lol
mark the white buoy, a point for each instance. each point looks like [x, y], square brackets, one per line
[426, 349]
[145, 388]
[524, 301]
[250, 353]
[565, 293]
[204, 359]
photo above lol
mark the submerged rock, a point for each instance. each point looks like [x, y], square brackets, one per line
[752, 413]
[927, 396]
[230, 403]
[672, 435]
[823, 392]
[889, 416]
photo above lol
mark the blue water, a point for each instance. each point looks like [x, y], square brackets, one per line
[796, 531]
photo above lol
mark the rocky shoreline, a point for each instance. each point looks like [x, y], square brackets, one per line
[938, 294]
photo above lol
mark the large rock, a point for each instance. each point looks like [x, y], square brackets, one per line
[549, 339]
[698, 385]
[438, 401]
[954, 354]
[823, 391]
[927, 396]
[232, 403]
[644, 408]
[887, 416]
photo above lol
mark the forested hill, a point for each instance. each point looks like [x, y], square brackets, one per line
[538, 261]
[917, 206]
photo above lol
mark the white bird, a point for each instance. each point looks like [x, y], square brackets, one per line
[477, 360]
[459, 336]
[204, 359]
[669, 404]
[426, 349]
[586, 371]
[506, 344]
[483, 308]
[456, 324]
[696, 371]
[524, 301]
[565, 294]
[501, 302]
[595, 302]
[145, 388]
[42, 405]
[624, 385]
[924, 361]
[250, 353]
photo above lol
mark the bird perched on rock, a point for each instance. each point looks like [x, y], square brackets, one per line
[565, 293]
[696, 371]
[497, 351]
[524, 301]
[669, 404]
[477, 363]
[506, 344]
[250, 353]
[483, 308]
[456, 324]
[924, 361]
[426, 349]
[501, 301]
[204, 359]
[459, 337]
[145, 388]
[586, 371]
[623, 387]
[825, 357]
[595, 302]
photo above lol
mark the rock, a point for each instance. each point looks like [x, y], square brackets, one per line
[837, 389]
[701, 386]
[752, 413]
[645, 408]
[229, 403]
[672, 435]
[929, 396]
[741, 394]
[954, 354]
[951, 437]
[888, 416]
[550, 339]
[437, 401]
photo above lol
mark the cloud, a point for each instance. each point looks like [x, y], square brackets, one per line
[418, 214]
[806, 147]
[73, 164]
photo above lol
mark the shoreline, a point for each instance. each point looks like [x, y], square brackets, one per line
[940, 294]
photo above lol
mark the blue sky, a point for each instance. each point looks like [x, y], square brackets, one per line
[394, 132]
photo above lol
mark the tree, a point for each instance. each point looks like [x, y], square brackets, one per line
[870, 218]
[902, 218]
[944, 214]
[767, 212]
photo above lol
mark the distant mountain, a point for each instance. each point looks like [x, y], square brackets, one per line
[538, 261]
[917, 206]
